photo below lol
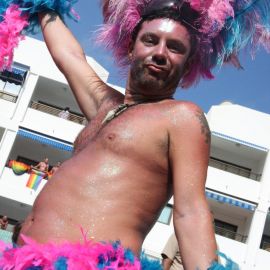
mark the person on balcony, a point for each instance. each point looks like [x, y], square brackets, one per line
[42, 166]
[64, 113]
[55, 168]
[16, 231]
[4, 222]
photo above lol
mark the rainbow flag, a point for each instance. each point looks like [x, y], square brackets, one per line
[35, 179]
[18, 168]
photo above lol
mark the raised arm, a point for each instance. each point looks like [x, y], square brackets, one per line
[89, 90]
[188, 154]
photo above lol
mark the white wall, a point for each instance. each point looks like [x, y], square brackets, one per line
[262, 260]
[233, 184]
[51, 125]
[34, 53]
[241, 123]
[6, 108]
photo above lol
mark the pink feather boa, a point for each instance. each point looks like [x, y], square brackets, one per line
[84, 256]
[10, 34]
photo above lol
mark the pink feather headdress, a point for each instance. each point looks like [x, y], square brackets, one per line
[225, 27]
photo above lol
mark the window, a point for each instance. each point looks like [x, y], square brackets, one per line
[11, 82]
[166, 214]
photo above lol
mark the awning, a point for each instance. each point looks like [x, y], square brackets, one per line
[229, 200]
[45, 140]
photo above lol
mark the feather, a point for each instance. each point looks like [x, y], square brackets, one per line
[11, 27]
[227, 27]
[19, 17]
[88, 255]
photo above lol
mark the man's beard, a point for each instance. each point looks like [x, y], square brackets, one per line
[143, 78]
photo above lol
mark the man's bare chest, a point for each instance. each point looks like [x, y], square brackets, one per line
[136, 130]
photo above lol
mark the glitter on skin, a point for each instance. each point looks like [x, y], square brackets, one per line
[127, 134]
[110, 169]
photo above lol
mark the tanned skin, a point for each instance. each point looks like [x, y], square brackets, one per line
[125, 171]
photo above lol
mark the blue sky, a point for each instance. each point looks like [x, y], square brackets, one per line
[249, 87]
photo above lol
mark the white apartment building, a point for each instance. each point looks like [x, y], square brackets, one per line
[238, 184]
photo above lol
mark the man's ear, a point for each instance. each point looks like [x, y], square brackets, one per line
[130, 51]
[188, 65]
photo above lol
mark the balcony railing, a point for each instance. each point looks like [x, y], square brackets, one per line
[230, 234]
[266, 246]
[54, 111]
[5, 236]
[8, 97]
[223, 165]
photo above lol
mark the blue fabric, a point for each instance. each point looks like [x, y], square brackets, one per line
[229, 265]
[150, 264]
[33, 7]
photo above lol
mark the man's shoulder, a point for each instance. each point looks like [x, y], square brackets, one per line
[187, 119]
[184, 110]
[182, 105]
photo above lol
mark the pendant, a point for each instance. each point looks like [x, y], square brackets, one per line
[115, 112]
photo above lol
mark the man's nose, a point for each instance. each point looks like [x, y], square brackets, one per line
[160, 54]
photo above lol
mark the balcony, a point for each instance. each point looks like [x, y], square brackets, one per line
[266, 245]
[228, 167]
[55, 111]
[42, 120]
[9, 97]
[230, 234]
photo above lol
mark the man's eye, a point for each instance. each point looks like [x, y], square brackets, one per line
[149, 40]
[177, 48]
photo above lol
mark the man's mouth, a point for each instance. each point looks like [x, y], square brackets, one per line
[156, 69]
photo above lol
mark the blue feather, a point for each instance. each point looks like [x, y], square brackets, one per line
[33, 7]
[240, 31]
[230, 265]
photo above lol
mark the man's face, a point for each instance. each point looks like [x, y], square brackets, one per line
[46, 160]
[159, 55]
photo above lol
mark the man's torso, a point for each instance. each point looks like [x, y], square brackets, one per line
[114, 186]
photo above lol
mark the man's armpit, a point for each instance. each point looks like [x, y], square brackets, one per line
[51, 17]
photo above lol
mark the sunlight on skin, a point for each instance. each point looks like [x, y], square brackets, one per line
[167, 25]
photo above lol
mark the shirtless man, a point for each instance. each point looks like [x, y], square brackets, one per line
[42, 166]
[3, 223]
[125, 169]
[55, 168]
